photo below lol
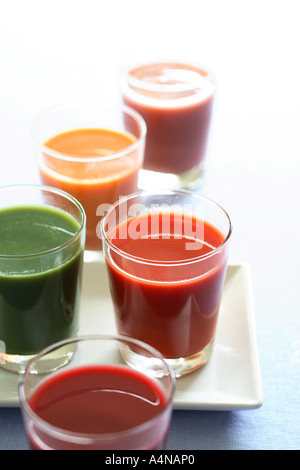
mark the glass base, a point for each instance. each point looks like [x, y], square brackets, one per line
[51, 362]
[186, 365]
[181, 366]
[191, 180]
[93, 256]
[146, 364]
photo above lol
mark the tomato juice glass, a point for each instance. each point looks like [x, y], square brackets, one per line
[166, 256]
[176, 101]
[42, 236]
[98, 400]
[92, 150]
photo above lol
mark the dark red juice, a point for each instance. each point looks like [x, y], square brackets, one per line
[173, 306]
[98, 400]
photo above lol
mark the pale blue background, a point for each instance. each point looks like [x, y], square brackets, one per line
[52, 51]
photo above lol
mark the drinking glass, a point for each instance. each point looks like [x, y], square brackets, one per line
[92, 150]
[176, 101]
[42, 236]
[98, 400]
[166, 256]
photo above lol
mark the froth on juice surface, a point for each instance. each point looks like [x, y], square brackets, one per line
[93, 176]
[176, 102]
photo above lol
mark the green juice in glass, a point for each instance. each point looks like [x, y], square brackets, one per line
[40, 277]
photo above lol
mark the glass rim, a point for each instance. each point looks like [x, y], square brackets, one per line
[89, 436]
[168, 96]
[53, 191]
[89, 158]
[178, 262]
[169, 88]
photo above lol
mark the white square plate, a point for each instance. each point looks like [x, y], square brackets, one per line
[231, 379]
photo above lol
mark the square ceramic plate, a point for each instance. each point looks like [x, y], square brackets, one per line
[231, 379]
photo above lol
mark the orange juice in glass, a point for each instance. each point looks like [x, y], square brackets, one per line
[94, 152]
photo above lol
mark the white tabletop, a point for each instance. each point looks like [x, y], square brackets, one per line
[53, 51]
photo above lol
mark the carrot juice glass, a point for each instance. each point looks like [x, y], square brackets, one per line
[166, 255]
[98, 400]
[176, 101]
[94, 152]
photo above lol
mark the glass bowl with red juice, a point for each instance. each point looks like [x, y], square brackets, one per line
[94, 151]
[98, 400]
[166, 256]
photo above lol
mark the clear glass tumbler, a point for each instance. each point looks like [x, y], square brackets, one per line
[94, 151]
[166, 255]
[98, 401]
[176, 100]
[42, 236]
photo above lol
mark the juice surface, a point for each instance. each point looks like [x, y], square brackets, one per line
[173, 308]
[38, 297]
[28, 230]
[92, 182]
[89, 142]
[166, 237]
[178, 123]
[98, 399]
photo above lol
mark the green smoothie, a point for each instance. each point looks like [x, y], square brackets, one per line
[40, 277]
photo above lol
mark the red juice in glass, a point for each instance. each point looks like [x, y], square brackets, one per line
[98, 400]
[97, 404]
[166, 273]
[167, 297]
[176, 102]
